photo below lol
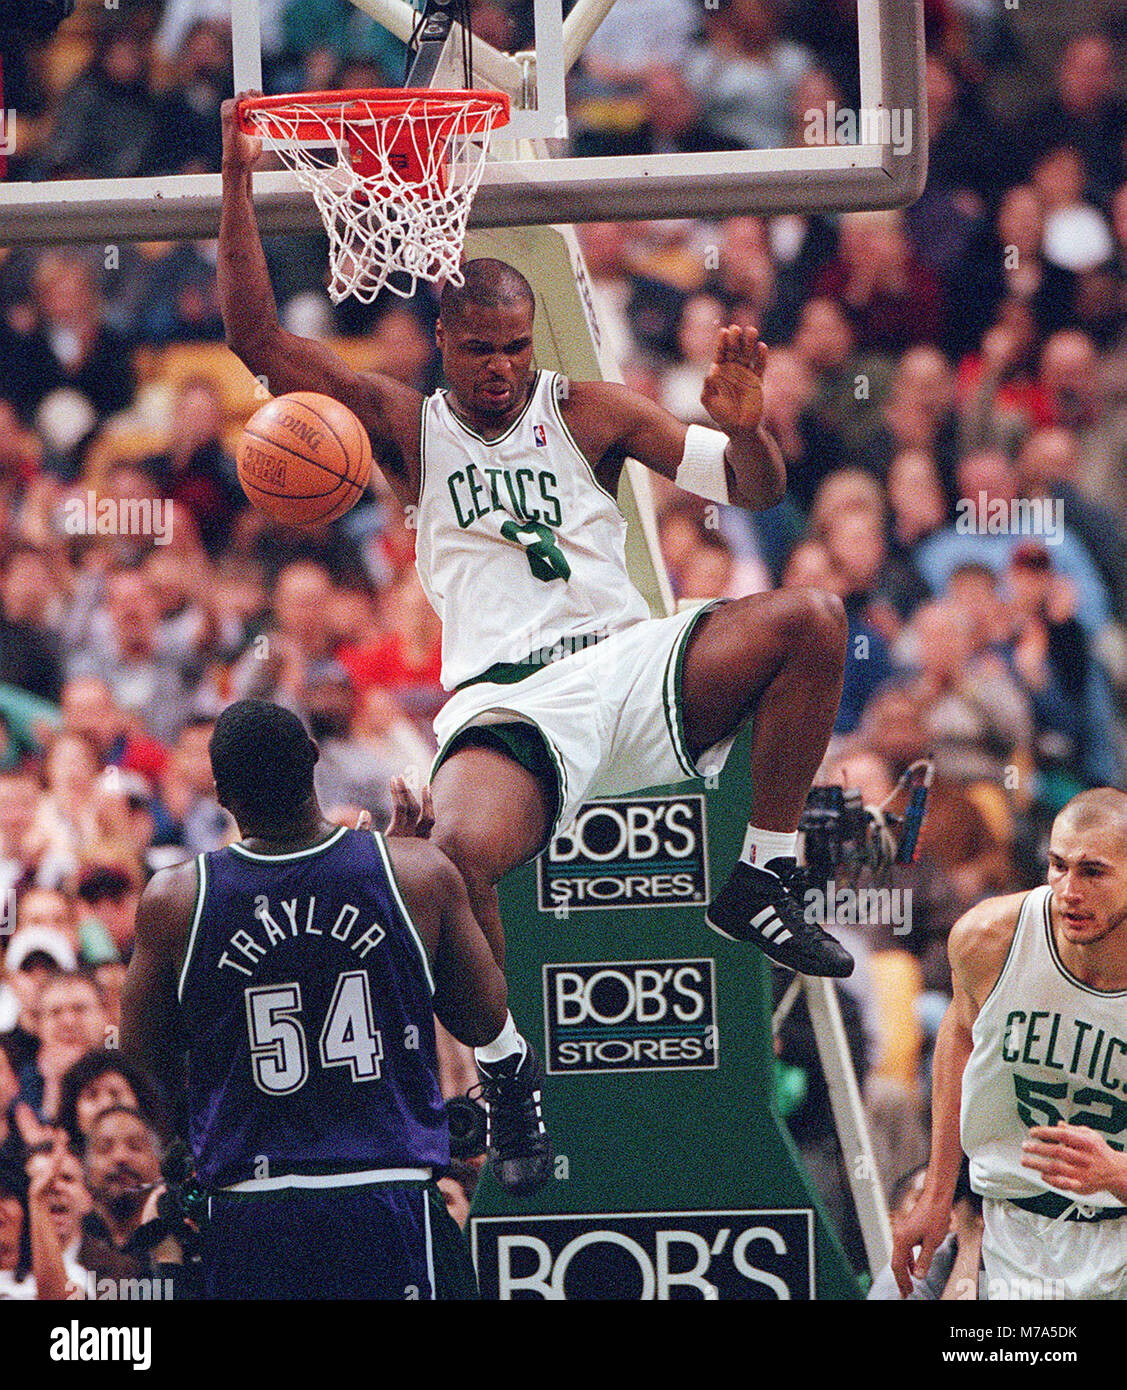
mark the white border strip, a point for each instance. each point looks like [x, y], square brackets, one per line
[320, 1180]
[244, 853]
[201, 891]
[381, 845]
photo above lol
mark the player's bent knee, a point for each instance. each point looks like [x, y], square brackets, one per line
[470, 852]
[824, 622]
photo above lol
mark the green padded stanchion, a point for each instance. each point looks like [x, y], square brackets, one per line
[674, 1177]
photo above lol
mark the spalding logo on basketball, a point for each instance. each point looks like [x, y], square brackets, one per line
[304, 459]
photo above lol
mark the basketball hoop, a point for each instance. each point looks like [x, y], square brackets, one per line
[393, 174]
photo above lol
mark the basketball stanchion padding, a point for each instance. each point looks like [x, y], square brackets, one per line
[393, 174]
[674, 1176]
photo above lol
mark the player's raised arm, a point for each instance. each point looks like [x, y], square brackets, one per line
[738, 462]
[388, 409]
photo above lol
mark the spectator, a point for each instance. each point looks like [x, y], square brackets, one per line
[810, 450]
[191, 107]
[744, 75]
[380, 724]
[407, 660]
[403, 349]
[188, 813]
[917, 501]
[53, 911]
[1048, 657]
[1006, 261]
[181, 300]
[1047, 467]
[29, 647]
[89, 709]
[988, 486]
[849, 387]
[109, 124]
[71, 1022]
[140, 664]
[121, 1162]
[79, 817]
[979, 721]
[196, 470]
[16, 1278]
[866, 661]
[697, 332]
[883, 590]
[68, 1202]
[889, 296]
[65, 343]
[101, 1080]
[109, 895]
[918, 413]
[298, 647]
[19, 796]
[32, 958]
[1085, 111]
[969, 842]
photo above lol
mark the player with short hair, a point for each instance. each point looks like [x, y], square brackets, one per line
[1030, 1073]
[563, 686]
[301, 969]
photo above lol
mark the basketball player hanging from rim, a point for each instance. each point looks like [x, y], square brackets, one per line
[512, 474]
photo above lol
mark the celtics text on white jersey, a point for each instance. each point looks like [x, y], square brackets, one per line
[519, 548]
[1046, 1048]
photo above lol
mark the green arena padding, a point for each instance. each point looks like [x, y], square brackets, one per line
[674, 1174]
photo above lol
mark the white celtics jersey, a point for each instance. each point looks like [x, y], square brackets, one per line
[1046, 1048]
[518, 547]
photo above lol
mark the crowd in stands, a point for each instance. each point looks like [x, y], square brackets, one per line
[948, 385]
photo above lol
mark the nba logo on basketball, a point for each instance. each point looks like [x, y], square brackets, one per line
[540, 434]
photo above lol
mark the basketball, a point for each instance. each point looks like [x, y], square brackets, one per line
[304, 459]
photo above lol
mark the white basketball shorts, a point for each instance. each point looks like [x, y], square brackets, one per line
[1027, 1256]
[611, 714]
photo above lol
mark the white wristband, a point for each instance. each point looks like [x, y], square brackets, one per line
[701, 470]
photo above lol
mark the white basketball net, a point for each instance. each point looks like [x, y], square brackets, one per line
[393, 188]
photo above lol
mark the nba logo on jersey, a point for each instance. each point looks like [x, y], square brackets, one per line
[540, 434]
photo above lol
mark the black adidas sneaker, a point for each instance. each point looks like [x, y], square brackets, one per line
[517, 1144]
[765, 907]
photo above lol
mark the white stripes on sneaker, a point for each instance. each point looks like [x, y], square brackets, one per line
[769, 924]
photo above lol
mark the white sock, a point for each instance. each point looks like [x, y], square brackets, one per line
[507, 1041]
[761, 846]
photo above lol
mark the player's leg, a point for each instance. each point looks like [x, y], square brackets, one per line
[782, 655]
[491, 814]
[778, 658]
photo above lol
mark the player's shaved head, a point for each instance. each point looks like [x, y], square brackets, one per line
[489, 284]
[1103, 808]
[262, 760]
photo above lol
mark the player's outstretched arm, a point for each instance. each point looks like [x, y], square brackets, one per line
[388, 410]
[738, 462]
[977, 950]
[150, 1011]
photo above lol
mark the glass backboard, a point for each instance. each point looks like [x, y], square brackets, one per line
[599, 126]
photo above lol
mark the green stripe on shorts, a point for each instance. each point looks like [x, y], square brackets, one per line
[672, 700]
